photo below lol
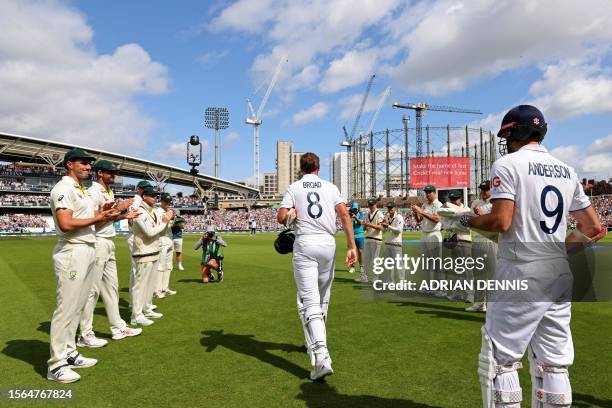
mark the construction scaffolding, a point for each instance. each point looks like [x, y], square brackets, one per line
[380, 161]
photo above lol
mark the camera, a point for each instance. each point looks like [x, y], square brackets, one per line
[353, 211]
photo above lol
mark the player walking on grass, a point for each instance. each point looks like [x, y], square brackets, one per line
[531, 192]
[105, 281]
[316, 203]
[75, 215]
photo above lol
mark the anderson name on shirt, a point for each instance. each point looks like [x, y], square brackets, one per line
[549, 170]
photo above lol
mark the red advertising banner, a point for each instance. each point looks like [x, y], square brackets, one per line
[442, 172]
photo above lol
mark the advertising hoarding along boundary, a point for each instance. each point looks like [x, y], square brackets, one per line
[442, 172]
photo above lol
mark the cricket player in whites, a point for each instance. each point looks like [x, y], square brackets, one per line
[431, 227]
[531, 192]
[482, 247]
[373, 238]
[166, 254]
[74, 259]
[316, 203]
[105, 283]
[146, 227]
[394, 225]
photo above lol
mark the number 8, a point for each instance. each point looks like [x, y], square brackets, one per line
[557, 212]
[314, 203]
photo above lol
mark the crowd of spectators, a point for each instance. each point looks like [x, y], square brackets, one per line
[13, 200]
[236, 220]
[13, 185]
[21, 222]
[31, 171]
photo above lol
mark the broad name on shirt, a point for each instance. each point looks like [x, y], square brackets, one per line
[311, 184]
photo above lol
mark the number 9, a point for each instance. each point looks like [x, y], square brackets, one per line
[556, 212]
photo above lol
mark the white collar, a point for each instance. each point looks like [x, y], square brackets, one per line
[534, 147]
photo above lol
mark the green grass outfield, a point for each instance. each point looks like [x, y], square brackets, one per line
[239, 343]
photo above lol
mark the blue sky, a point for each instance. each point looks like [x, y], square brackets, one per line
[135, 77]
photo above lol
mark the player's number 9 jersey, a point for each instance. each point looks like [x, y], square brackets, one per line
[315, 203]
[544, 190]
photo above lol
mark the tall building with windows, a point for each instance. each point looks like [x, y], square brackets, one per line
[269, 186]
[287, 165]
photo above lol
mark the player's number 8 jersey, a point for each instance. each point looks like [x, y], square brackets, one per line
[314, 201]
[544, 190]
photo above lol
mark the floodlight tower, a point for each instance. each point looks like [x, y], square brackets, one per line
[216, 118]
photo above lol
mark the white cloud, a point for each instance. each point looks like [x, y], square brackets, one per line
[603, 144]
[211, 58]
[231, 138]
[178, 151]
[592, 161]
[449, 44]
[303, 30]
[55, 85]
[571, 88]
[312, 113]
[353, 68]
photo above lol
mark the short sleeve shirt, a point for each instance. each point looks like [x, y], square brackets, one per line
[544, 190]
[315, 203]
[70, 195]
[375, 217]
[431, 208]
[100, 196]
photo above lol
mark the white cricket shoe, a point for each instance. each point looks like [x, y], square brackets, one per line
[153, 315]
[151, 307]
[322, 368]
[180, 266]
[63, 374]
[90, 340]
[142, 321]
[351, 269]
[160, 294]
[170, 292]
[79, 361]
[126, 332]
[362, 278]
[477, 307]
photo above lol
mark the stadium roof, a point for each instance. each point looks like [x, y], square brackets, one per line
[24, 148]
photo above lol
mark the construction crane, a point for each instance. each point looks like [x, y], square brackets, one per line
[419, 108]
[255, 118]
[349, 137]
[381, 103]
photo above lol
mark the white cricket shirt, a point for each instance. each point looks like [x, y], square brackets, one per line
[100, 196]
[375, 217]
[315, 203]
[544, 189]
[395, 229]
[70, 195]
[431, 208]
[486, 206]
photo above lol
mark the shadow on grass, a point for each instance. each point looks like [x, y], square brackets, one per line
[346, 280]
[124, 308]
[444, 311]
[583, 400]
[190, 280]
[321, 394]
[33, 352]
[248, 345]
[44, 327]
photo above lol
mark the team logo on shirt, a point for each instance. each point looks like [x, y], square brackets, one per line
[60, 198]
[496, 182]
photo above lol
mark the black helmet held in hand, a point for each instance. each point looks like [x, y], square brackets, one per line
[284, 242]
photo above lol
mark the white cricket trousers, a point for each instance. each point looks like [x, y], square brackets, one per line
[488, 251]
[164, 267]
[106, 284]
[74, 272]
[396, 273]
[371, 251]
[142, 290]
[431, 246]
[313, 268]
